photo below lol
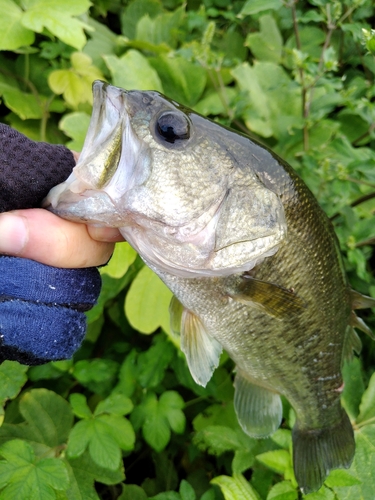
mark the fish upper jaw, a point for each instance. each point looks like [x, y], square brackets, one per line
[107, 167]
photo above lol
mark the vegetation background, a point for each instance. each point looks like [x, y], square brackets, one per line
[296, 75]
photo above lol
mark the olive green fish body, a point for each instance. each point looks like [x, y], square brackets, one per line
[252, 260]
[300, 355]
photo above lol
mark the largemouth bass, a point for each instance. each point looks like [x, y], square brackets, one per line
[251, 258]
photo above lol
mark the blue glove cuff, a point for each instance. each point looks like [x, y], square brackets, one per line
[41, 316]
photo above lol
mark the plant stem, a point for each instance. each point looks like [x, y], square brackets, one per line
[305, 109]
[355, 203]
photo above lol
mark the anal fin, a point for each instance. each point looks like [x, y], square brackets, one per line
[317, 451]
[201, 350]
[259, 410]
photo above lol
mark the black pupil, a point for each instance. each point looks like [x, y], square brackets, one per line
[173, 127]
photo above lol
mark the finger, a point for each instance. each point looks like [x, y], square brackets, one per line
[105, 233]
[42, 236]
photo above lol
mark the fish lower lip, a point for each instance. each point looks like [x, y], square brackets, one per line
[94, 207]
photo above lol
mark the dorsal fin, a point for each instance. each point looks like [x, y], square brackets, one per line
[357, 322]
[360, 301]
[352, 343]
[201, 350]
[268, 297]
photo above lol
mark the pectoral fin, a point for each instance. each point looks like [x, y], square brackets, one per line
[201, 350]
[268, 297]
[259, 411]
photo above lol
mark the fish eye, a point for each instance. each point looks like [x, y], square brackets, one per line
[173, 126]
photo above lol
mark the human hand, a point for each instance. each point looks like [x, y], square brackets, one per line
[39, 235]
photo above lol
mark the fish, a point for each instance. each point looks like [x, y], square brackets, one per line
[252, 260]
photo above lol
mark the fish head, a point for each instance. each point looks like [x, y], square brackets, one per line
[173, 184]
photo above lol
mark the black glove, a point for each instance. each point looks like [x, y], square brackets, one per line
[41, 307]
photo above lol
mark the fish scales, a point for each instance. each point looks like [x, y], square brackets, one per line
[252, 260]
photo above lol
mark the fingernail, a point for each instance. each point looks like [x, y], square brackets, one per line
[13, 234]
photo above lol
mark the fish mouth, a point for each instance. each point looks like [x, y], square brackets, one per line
[106, 166]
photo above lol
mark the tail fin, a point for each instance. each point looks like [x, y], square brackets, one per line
[317, 451]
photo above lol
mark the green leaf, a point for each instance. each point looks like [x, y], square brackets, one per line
[283, 491]
[121, 430]
[217, 439]
[340, 477]
[171, 405]
[12, 34]
[153, 363]
[24, 105]
[127, 375]
[75, 126]
[147, 302]
[83, 472]
[254, 6]
[242, 461]
[187, 491]
[122, 258]
[266, 45]
[96, 374]
[132, 492]
[75, 83]
[277, 460]
[80, 437]
[24, 476]
[157, 418]
[323, 494]
[235, 488]
[48, 415]
[133, 71]
[160, 30]
[135, 11]
[58, 18]
[116, 404]
[80, 406]
[181, 79]
[12, 379]
[367, 406]
[273, 99]
[103, 447]
[354, 387]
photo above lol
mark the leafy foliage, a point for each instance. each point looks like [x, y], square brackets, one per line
[296, 75]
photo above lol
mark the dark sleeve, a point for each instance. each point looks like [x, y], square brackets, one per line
[29, 169]
[41, 307]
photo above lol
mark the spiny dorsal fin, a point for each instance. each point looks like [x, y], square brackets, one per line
[360, 301]
[268, 297]
[201, 350]
[259, 411]
[357, 322]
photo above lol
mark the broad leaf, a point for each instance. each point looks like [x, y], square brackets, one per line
[24, 476]
[122, 258]
[12, 378]
[12, 33]
[133, 71]
[49, 417]
[58, 18]
[147, 302]
[236, 488]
